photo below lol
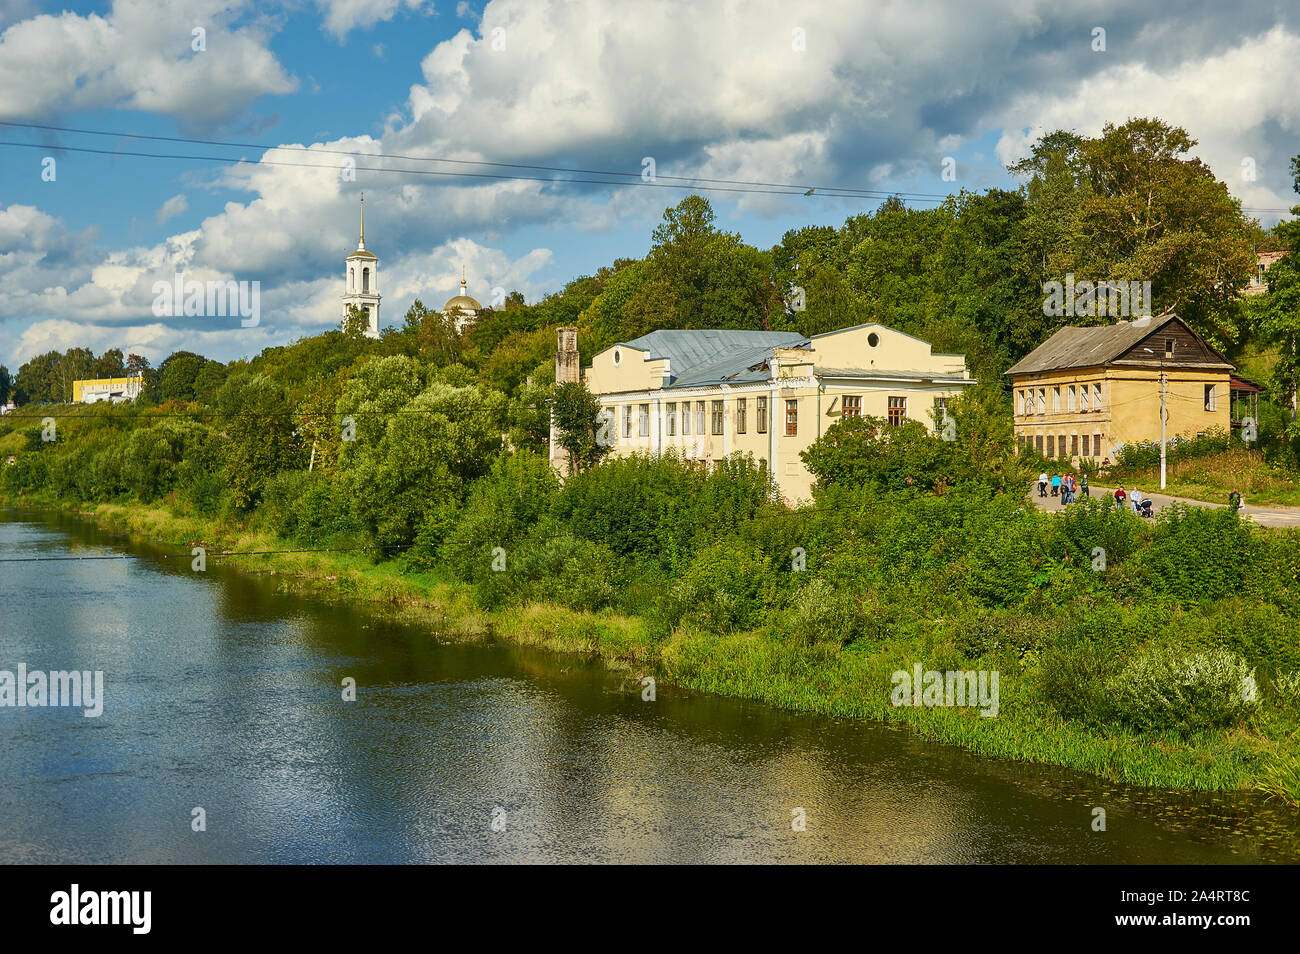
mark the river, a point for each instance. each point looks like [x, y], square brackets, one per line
[223, 693]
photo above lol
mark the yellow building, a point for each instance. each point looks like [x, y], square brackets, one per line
[707, 394]
[1086, 392]
[115, 390]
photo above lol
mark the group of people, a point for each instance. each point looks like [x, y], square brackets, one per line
[1134, 497]
[1065, 487]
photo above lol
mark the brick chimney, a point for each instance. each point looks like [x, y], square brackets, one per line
[568, 365]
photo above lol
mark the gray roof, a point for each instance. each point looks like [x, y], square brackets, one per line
[1090, 346]
[713, 356]
[883, 375]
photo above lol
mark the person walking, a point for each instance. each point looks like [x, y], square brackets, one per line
[1056, 484]
[1135, 498]
[1234, 501]
[1042, 484]
[1120, 496]
[1084, 486]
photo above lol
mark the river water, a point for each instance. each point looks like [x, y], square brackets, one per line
[223, 693]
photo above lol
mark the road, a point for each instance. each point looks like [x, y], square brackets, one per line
[1264, 516]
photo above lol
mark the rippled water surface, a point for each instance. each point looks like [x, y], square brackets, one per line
[223, 693]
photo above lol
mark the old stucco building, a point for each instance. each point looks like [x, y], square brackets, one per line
[707, 394]
[1085, 392]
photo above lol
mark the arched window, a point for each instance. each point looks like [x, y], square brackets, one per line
[365, 280]
[352, 279]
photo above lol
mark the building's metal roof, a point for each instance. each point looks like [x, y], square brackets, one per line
[875, 374]
[713, 356]
[1087, 347]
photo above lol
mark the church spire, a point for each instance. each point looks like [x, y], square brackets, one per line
[361, 243]
[462, 279]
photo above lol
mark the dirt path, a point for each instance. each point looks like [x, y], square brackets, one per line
[1265, 516]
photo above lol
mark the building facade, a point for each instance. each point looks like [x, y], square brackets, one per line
[115, 390]
[707, 394]
[1259, 280]
[1086, 392]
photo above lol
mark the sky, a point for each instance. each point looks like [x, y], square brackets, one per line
[857, 94]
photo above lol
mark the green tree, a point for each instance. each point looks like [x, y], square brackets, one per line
[581, 428]
[1130, 205]
[262, 439]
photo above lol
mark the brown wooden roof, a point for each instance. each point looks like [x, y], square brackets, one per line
[1096, 345]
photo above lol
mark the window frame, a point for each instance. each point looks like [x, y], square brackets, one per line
[897, 413]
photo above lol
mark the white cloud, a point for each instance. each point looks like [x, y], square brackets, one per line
[139, 56]
[718, 91]
[343, 16]
[173, 207]
[1232, 104]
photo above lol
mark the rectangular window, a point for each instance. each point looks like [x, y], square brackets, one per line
[852, 405]
[627, 421]
[699, 418]
[791, 418]
[1020, 402]
[686, 419]
[1069, 405]
[643, 421]
[1074, 445]
[1056, 400]
[719, 416]
[897, 410]
[672, 419]
[1169, 347]
[1096, 445]
[762, 415]
[1083, 399]
[742, 411]
[1096, 397]
[1041, 406]
[1038, 443]
[1210, 403]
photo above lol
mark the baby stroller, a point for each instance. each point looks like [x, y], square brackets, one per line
[1144, 508]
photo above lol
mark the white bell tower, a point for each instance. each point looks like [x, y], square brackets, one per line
[361, 280]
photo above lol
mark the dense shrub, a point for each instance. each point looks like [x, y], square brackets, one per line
[1198, 554]
[726, 587]
[820, 612]
[1165, 689]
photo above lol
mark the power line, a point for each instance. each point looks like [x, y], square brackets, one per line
[875, 193]
[467, 175]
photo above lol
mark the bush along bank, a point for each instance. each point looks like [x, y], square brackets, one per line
[1157, 653]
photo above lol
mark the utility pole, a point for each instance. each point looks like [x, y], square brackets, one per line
[1163, 417]
[1164, 381]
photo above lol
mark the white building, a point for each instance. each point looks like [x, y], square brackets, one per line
[361, 281]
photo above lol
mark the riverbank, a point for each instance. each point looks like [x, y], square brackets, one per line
[816, 677]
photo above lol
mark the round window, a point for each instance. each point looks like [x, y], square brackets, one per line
[873, 339]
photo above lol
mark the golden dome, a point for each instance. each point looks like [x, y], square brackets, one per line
[462, 302]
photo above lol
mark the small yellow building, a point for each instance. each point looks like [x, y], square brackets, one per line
[708, 394]
[1086, 392]
[115, 390]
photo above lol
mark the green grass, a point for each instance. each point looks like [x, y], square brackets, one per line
[818, 677]
[1212, 478]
